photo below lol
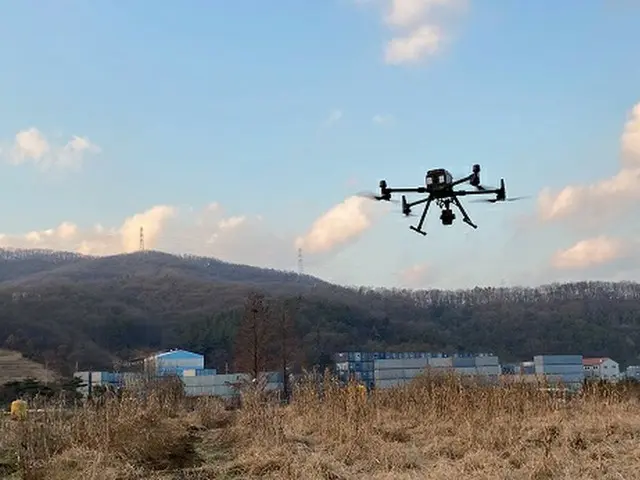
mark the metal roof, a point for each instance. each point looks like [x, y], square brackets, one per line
[594, 361]
[183, 353]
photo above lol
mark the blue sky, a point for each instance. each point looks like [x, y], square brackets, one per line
[228, 102]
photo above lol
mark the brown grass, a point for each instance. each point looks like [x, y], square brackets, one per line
[433, 428]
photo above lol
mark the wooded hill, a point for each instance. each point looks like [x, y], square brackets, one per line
[68, 309]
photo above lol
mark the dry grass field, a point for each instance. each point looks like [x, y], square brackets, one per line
[431, 429]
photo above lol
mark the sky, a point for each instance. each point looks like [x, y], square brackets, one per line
[245, 130]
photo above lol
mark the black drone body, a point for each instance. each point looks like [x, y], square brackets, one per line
[440, 188]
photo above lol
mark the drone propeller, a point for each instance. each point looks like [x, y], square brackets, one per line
[494, 200]
[373, 196]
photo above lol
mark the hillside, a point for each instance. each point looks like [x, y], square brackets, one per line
[66, 309]
[13, 366]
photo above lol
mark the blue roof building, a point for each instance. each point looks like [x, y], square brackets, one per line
[174, 362]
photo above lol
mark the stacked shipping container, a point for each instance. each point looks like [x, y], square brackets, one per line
[387, 369]
[389, 373]
[226, 385]
[565, 369]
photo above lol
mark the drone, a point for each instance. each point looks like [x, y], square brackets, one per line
[439, 185]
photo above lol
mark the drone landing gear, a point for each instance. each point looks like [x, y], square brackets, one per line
[406, 209]
[465, 217]
[447, 216]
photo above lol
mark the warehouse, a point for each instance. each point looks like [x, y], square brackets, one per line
[389, 369]
[565, 369]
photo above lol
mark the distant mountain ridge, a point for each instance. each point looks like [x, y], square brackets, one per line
[22, 266]
[65, 308]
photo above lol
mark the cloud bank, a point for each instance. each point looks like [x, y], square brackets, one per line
[31, 146]
[209, 231]
[611, 196]
[590, 204]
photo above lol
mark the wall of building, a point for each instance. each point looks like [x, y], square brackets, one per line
[174, 362]
[633, 372]
[565, 369]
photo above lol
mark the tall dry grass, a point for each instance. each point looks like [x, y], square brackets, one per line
[434, 428]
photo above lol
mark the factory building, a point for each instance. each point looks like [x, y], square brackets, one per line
[565, 369]
[187, 366]
[176, 362]
[601, 368]
[91, 379]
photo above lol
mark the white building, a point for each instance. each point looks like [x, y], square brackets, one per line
[601, 368]
[633, 372]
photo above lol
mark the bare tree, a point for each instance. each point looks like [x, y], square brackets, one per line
[288, 345]
[254, 337]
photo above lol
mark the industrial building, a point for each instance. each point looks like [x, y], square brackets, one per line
[176, 362]
[601, 368]
[187, 366]
[565, 369]
[389, 369]
[226, 385]
[633, 372]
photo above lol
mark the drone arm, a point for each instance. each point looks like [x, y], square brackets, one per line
[462, 180]
[461, 193]
[406, 190]
[418, 202]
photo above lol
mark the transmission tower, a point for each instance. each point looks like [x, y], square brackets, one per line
[300, 266]
[141, 239]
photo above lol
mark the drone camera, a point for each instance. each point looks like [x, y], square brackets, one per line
[447, 217]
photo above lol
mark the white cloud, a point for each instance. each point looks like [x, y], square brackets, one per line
[334, 117]
[209, 231]
[31, 145]
[421, 42]
[380, 119]
[408, 13]
[417, 26]
[416, 276]
[591, 253]
[339, 226]
[607, 197]
[631, 139]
